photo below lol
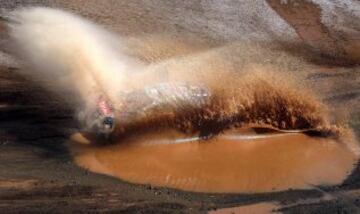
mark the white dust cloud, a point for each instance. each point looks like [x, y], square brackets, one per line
[69, 53]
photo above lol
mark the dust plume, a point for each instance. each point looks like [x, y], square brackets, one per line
[65, 52]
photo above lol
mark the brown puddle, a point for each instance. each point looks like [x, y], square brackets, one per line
[231, 162]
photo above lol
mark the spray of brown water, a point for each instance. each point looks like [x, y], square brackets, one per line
[259, 98]
[163, 148]
[251, 86]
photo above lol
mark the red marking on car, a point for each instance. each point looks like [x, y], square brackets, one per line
[105, 108]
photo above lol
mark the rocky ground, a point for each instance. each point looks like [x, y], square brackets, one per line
[37, 173]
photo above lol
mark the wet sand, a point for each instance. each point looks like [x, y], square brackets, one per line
[233, 162]
[260, 208]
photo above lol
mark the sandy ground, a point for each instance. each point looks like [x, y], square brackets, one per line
[37, 173]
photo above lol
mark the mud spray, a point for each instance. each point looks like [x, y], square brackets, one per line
[262, 129]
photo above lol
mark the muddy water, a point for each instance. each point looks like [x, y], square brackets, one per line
[240, 161]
